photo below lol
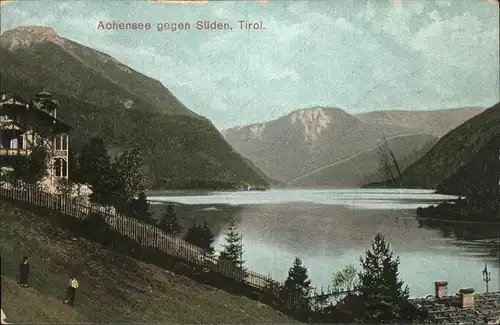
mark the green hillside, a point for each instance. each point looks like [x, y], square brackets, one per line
[450, 161]
[480, 175]
[113, 288]
[403, 162]
[101, 97]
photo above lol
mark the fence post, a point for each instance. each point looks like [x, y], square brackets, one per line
[136, 235]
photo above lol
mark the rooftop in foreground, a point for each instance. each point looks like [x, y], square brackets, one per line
[465, 307]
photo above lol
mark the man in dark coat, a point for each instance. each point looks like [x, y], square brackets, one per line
[24, 271]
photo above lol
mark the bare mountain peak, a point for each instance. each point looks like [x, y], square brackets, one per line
[319, 108]
[313, 120]
[257, 130]
[333, 114]
[25, 36]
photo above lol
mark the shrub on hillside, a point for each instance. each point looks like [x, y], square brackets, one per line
[96, 228]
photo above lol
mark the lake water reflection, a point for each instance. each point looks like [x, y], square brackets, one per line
[329, 229]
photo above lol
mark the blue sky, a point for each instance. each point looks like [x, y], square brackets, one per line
[356, 55]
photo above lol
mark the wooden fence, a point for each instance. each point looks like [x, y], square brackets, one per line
[149, 235]
[145, 234]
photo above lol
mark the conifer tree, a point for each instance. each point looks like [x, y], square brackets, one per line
[201, 237]
[385, 298]
[129, 178]
[193, 234]
[208, 238]
[140, 208]
[96, 170]
[233, 249]
[168, 221]
[94, 161]
[298, 279]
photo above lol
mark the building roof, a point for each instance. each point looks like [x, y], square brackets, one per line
[447, 310]
[12, 125]
[57, 124]
[14, 100]
[49, 104]
[44, 93]
[36, 109]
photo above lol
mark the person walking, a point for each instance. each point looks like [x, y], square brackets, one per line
[24, 271]
[72, 286]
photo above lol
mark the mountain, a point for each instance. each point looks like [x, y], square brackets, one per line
[481, 174]
[365, 166]
[465, 159]
[100, 96]
[403, 161]
[437, 123]
[301, 147]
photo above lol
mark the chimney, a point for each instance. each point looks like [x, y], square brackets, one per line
[467, 298]
[441, 289]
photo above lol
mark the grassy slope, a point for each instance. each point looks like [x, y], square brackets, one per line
[113, 287]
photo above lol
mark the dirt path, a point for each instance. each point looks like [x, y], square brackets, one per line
[4, 318]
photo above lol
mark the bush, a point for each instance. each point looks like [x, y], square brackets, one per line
[96, 227]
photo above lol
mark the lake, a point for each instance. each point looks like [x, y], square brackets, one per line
[329, 229]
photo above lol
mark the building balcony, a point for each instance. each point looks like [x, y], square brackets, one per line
[14, 152]
[26, 152]
[60, 153]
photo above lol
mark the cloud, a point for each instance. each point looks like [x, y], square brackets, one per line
[356, 55]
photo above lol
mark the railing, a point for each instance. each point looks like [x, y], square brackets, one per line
[149, 235]
[60, 153]
[14, 152]
[145, 234]
[26, 152]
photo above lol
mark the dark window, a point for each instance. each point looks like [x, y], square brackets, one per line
[57, 167]
[64, 142]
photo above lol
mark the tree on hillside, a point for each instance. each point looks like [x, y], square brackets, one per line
[231, 257]
[140, 207]
[384, 296]
[345, 279]
[33, 168]
[113, 181]
[129, 175]
[193, 234]
[74, 171]
[201, 236]
[96, 170]
[233, 248]
[64, 187]
[168, 221]
[94, 161]
[208, 239]
[298, 279]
